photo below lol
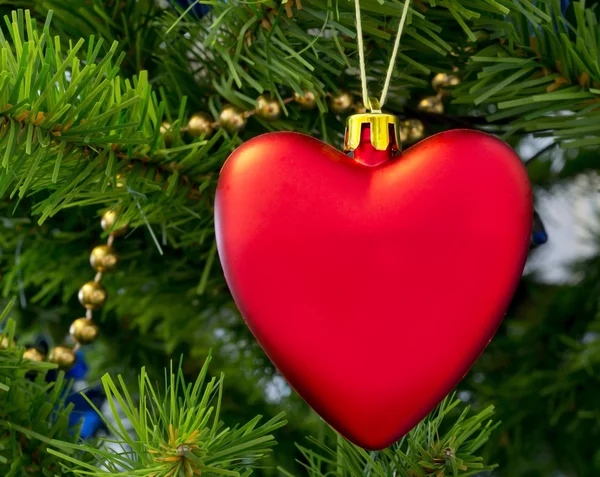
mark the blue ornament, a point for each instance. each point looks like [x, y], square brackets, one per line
[84, 413]
[79, 369]
[199, 9]
[91, 424]
[539, 236]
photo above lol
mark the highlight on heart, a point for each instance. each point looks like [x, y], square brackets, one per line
[299, 238]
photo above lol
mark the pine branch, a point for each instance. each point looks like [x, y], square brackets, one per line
[427, 450]
[32, 410]
[539, 72]
[131, 24]
[76, 133]
[177, 432]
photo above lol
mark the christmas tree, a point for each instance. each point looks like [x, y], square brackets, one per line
[116, 118]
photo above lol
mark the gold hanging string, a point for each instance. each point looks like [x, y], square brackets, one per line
[361, 56]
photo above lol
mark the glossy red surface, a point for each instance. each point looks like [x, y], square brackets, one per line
[373, 289]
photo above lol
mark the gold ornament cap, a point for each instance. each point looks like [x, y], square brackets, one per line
[385, 129]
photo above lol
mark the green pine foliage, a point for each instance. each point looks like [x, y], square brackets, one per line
[176, 432]
[432, 448]
[32, 411]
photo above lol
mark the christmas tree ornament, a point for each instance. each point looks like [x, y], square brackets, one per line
[63, 356]
[83, 413]
[307, 100]
[360, 108]
[337, 268]
[200, 124]
[432, 104]
[33, 354]
[92, 295]
[335, 263]
[232, 119]
[5, 342]
[539, 236]
[111, 223]
[411, 131]
[442, 81]
[84, 331]
[268, 107]
[103, 258]
[192, 6]
[80, 368]
[167, 133]
[341, 102]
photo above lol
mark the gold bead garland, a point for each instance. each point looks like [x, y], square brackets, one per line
[308, 100]
[341, 102]
[443, 80]
[5, 342]
[200, 124]
[33, 354]
[268, 107]
[84, 331]
[63, 356]
[432, 104]
[233, 120]
[440, 83]
[411, 131]
[92, 295]
[167, 134]
[109, 222]
[103, 258]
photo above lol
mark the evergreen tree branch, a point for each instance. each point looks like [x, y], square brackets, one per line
[177, 432]
[32, 410]
[426, 450]
[540, 72]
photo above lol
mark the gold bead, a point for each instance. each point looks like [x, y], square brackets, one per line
[6, 343]
[84, 331]
[341, 102]
[307, 100]
[92, 295]
[360, 108]
[432, 104]
[268, 107]
[63, 356]
[411, 131]
[200, 124]
[232, 119]
[33, 354]
[442, 81]
[103, 258]
[167, 133]
[121, 180]
[109, 219]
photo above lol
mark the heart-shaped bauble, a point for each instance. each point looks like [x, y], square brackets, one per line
[373, 289]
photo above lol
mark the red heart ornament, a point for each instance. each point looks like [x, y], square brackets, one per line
[373, 290]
